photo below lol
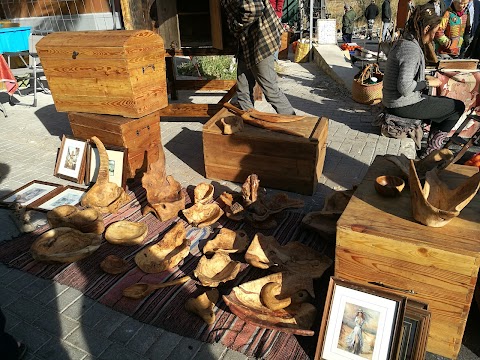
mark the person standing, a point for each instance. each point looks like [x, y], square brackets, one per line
[386, 19]
[257, 29]
[278, 7]
[439, 6]
[371, 12]
[454, 31]
[347, 23]
[405, 79]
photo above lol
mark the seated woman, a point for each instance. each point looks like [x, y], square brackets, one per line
[405, 79]
[454, 31]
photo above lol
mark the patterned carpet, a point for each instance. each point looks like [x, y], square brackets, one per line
[165, 307]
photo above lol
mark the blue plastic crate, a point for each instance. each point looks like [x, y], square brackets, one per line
[14, 39]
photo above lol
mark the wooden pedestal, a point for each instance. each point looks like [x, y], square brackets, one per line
[282, 161]
[140, 136]
[379, 241]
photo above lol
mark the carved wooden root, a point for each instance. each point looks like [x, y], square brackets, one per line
[104, 196]
[164, 194]
[435, 204]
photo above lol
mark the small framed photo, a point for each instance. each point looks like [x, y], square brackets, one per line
[29, 193]
[65, 195]
[71, 159]
[416, 325]
[117, 163]
[360, 322]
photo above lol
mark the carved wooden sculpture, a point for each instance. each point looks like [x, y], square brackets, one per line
[277, 301]
[164, 194]
[435, 204]
[104, 196]
[87, 221]
[219, 269]
[125, 232]
[203, 305]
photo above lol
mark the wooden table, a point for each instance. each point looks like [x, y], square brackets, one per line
[379, 241]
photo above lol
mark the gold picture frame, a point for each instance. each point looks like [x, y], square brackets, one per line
[70, 164]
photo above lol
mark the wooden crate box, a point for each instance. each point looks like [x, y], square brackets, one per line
[282, 161]
[379, 241]
[140, 136]
[105, 72]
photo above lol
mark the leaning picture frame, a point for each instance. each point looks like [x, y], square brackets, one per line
[29, 193]
[71, 159]
[360, 322]
[416, 324]
[117, 164]
[65, 195]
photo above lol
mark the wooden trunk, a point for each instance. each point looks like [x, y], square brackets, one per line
[282, 161]
[379, 241]
[105, 72]
[140, 136]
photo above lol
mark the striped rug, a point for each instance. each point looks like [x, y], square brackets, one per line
[165, 307]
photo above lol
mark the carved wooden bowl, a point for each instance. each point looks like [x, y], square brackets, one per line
[65, 245]
[126, 232]
[114, 265]
[389, 186]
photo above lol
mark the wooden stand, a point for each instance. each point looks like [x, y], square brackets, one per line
[378, 241]
[281, 161]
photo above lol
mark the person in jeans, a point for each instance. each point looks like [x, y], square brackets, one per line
[405, 79]
[347, 23]
[371, 12]
[257, 29]
[386, 19]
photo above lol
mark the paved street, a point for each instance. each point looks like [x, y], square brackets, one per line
[58, 322]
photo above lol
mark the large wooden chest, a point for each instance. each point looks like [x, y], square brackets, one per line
[379, 241]
[105, 72]
[282, 161]
[140, 136]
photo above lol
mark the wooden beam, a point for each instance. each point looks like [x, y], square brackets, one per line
[190, 110]
[168, 21]
[201, 51]
[228, 95]
[204, 84]
[135, 14]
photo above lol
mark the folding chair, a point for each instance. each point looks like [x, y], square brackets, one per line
[31, 72]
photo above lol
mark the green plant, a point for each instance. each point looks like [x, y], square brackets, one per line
[210, 67]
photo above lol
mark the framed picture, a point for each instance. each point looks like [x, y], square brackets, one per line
[29, 193]
[71, 159]
[360, 322]
[65, 195]
[117, 163]
[416, 324]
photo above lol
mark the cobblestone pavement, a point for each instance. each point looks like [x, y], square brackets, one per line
[58, 322]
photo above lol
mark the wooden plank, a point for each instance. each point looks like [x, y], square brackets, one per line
[168, 20]
[295, 185]
[203, 51]
[205, 84]
[138, 107]
[190, 110]
[228, 96]
[135, 14]
[284, 45]
[321, 134]
[216, 24]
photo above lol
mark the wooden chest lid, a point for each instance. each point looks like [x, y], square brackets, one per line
[307, 129]
[369, 213]
[100, 44]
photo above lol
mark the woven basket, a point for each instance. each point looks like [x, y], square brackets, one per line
[365, 93]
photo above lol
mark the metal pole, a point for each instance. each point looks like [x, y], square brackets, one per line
[311, 30]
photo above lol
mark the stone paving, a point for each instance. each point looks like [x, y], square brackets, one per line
[58, 322]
